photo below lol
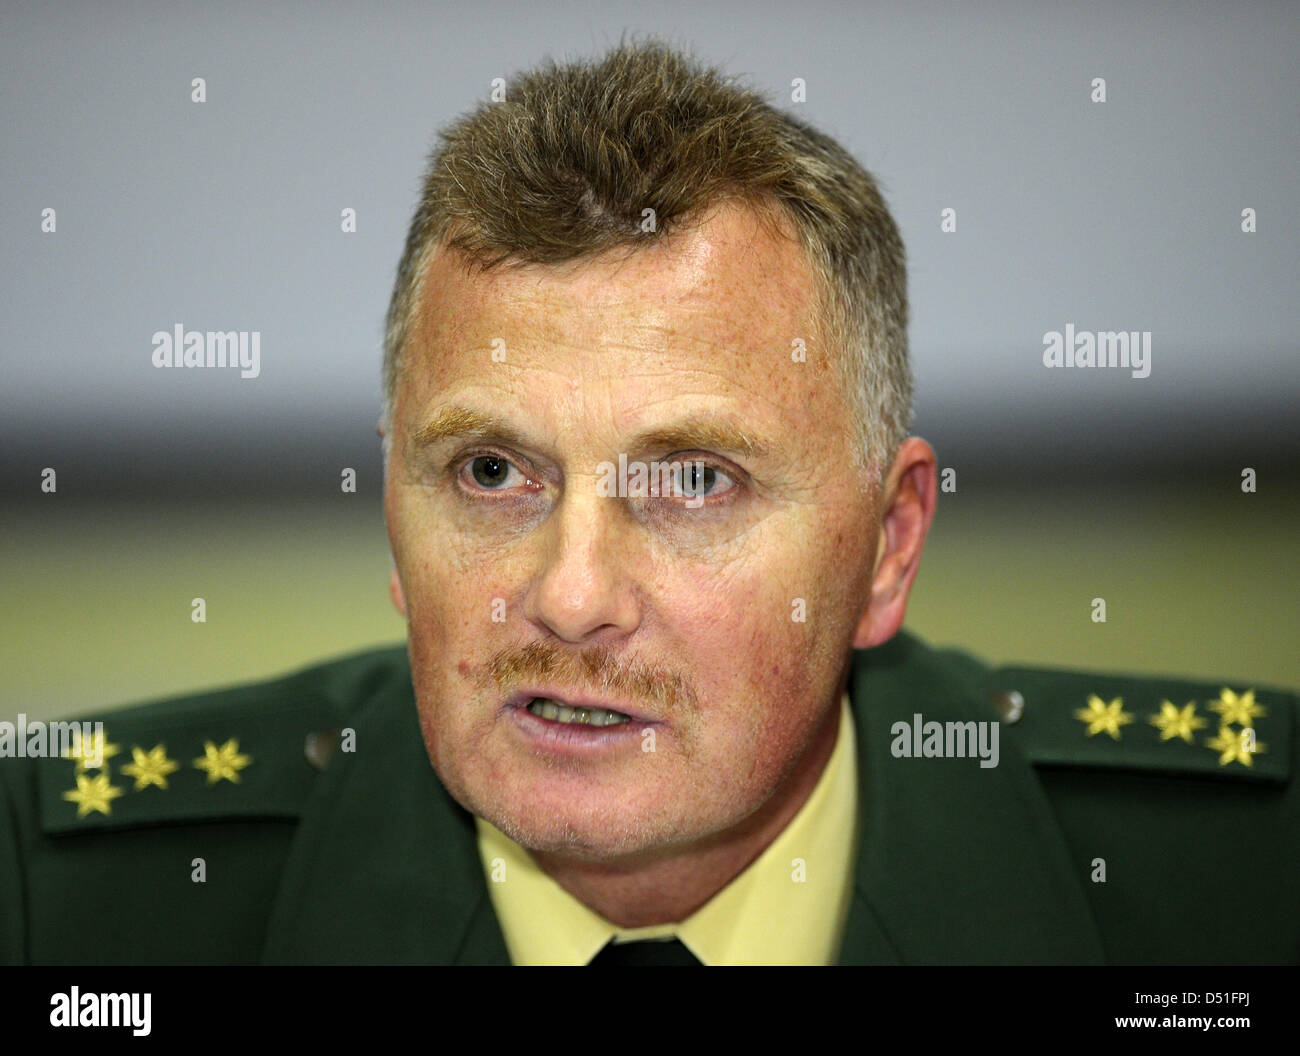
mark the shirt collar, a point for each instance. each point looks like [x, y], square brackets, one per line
[787, 907]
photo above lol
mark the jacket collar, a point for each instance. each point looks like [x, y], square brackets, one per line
[384, 868]
[956, 863]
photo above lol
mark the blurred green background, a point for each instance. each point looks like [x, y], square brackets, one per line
[1199, 580]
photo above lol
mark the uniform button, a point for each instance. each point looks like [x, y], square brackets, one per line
[1009, 705]
[321, 744]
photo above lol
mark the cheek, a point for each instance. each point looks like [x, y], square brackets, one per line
[460, 595]
[454, 715]
[759, 671]
[783, 685]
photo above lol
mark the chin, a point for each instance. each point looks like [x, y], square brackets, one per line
[592, 831]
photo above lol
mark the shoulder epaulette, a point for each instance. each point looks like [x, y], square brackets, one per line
[1143, 723]
[251, 751]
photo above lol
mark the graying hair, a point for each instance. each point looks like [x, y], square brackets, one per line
[563, 169]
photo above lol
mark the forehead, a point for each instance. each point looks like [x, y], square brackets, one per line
[729, 298]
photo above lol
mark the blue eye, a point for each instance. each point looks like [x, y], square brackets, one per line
[699, 481]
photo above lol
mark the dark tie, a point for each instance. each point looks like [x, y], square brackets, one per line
[644, 952]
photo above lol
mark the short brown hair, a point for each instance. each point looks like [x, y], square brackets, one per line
[565, 167]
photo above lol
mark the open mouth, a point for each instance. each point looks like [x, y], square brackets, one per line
[557, 711]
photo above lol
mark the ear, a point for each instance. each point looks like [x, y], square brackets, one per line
[395, 592]
[907, 505]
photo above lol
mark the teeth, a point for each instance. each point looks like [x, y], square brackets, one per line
[557, 712]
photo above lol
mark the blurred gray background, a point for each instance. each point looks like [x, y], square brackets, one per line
[225, 215]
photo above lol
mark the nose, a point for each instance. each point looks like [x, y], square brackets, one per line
[585, 587]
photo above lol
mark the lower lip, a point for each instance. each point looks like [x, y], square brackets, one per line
[575, 738]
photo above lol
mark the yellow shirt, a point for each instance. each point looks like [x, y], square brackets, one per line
[787, 907]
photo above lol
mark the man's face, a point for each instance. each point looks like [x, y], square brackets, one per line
[721, 627]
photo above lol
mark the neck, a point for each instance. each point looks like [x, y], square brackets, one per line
[669, 888]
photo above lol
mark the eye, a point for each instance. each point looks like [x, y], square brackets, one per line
[493, 473]
[698, 480]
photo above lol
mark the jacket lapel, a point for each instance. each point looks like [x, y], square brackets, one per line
[956, 863]
[384, 868]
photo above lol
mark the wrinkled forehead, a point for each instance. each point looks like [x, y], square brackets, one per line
[734, 268]
[726, 308]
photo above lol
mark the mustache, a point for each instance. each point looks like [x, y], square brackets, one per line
[596, 673]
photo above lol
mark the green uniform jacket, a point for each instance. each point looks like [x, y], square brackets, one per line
[1145, 847]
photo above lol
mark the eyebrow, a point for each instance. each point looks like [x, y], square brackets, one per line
[692, 432]
[460, 423]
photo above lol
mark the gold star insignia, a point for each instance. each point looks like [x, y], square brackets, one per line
[150, 768]
[1239, 709]
[1177, 722]
[86, 749]
[1235, 746]
[1104, 718]
[92, 793]
[224, 762]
